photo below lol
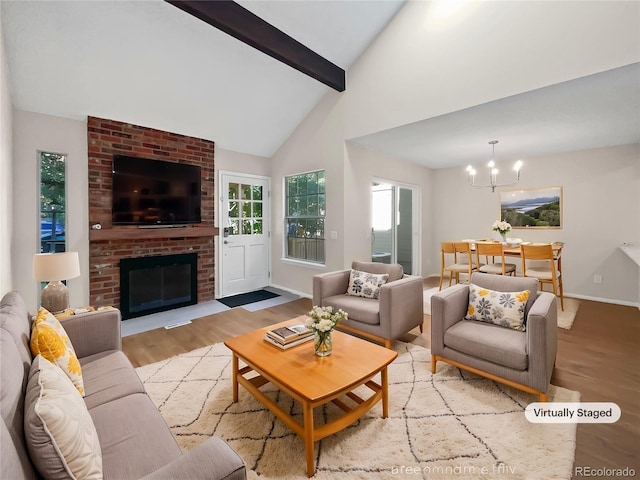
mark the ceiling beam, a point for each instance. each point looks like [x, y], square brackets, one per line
[247, 27]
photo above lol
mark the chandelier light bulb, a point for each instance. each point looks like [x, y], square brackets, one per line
[491, 164]
[518, 166]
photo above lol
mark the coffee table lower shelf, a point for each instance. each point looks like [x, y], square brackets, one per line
[307, 429]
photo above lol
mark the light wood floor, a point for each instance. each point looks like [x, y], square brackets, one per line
[599, 357]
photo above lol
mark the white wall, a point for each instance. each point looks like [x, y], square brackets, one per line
[600, 210]
[241, 162]
[34, 132]
[362, 165]
[435, 58]
[315, 145]
[6, 156]
[422, 66]
[230, 161]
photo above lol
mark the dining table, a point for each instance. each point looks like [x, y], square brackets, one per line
[512, 249]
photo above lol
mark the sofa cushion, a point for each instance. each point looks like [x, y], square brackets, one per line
[108, 376]
[49, 339]
[60, 435]
[15, 319]
[502, 346]
[394, 270]
[365, 310]
[134, 437]
[505, 309]
[365, 284]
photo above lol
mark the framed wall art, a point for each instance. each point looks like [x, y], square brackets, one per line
[532, 208]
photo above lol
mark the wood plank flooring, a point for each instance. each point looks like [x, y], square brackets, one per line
[599, 357]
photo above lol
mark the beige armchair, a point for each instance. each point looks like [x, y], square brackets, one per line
[520, 359]
[398, 309]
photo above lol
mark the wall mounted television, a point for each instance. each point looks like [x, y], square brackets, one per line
[154, 192]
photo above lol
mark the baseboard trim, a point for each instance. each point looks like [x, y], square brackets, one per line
[290, 290]
[603, 300]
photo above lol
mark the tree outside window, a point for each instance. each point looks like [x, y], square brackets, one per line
[305, 201]
[52, 202]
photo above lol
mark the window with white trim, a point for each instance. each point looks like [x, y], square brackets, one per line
[305, 209]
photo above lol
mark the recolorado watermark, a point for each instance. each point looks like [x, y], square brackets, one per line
[604, 472]
[573, 412]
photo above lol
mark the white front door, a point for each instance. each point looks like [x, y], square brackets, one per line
[244, 233]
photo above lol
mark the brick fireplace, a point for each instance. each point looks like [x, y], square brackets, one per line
[110, 244]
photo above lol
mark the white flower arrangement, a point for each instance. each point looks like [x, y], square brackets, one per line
[501, 227]
[324, 319]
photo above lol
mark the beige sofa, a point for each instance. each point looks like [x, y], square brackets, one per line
[398, 309]
[134, 439]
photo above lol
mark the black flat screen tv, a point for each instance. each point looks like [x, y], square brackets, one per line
[154, 192]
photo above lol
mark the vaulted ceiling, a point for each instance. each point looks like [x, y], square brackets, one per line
[150, 63]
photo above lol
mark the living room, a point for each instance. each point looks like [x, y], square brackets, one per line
[420, 73]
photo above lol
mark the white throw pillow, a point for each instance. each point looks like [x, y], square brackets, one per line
[505, 309]
[60, 434]
[365, 284]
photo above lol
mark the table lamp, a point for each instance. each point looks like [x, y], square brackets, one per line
[52, 268]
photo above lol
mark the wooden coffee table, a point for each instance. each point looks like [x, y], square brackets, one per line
[312, 380]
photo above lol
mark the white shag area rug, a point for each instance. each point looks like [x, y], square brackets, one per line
[565, 318]
[451, 425]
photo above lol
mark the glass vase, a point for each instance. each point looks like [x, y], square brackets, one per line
[322, 343]
[504, 237]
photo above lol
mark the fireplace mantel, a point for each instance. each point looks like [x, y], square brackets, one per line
[134, 233]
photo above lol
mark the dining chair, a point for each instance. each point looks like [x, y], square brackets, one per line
[461, 254]
[544, 268]
[493, 250]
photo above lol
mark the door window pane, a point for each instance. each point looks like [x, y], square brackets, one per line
[233, 191]
[248, 209]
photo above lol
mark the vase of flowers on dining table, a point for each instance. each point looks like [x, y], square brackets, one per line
[502, 228]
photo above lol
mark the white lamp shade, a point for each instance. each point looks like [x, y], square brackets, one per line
[49, 267]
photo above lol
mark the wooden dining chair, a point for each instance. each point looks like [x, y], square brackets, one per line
[544, 269]
[493, 250]
[456, 258]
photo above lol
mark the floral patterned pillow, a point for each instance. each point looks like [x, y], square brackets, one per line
[365, 284]
[505, 309]
[49, 339]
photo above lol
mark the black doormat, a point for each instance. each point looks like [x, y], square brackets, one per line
[246, 298]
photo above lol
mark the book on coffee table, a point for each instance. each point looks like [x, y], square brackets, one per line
[290, 333]
[284, 346]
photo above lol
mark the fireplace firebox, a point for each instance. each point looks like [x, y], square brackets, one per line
[154, 284]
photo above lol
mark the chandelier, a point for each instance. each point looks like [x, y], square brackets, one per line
[493, 172]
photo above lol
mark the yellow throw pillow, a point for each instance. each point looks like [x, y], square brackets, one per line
[49, 339]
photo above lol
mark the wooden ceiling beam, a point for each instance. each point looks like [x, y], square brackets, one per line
[247, 27]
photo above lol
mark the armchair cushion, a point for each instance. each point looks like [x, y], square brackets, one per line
[365, 310]
[502, 346]
[365, 284]
[505, 309]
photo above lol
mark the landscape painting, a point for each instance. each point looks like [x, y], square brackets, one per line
[532, 208]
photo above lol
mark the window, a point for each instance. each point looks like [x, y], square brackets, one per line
[245, 209]
[305, 208]
[52, 202]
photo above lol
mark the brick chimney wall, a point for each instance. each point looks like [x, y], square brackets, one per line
[107, 246]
